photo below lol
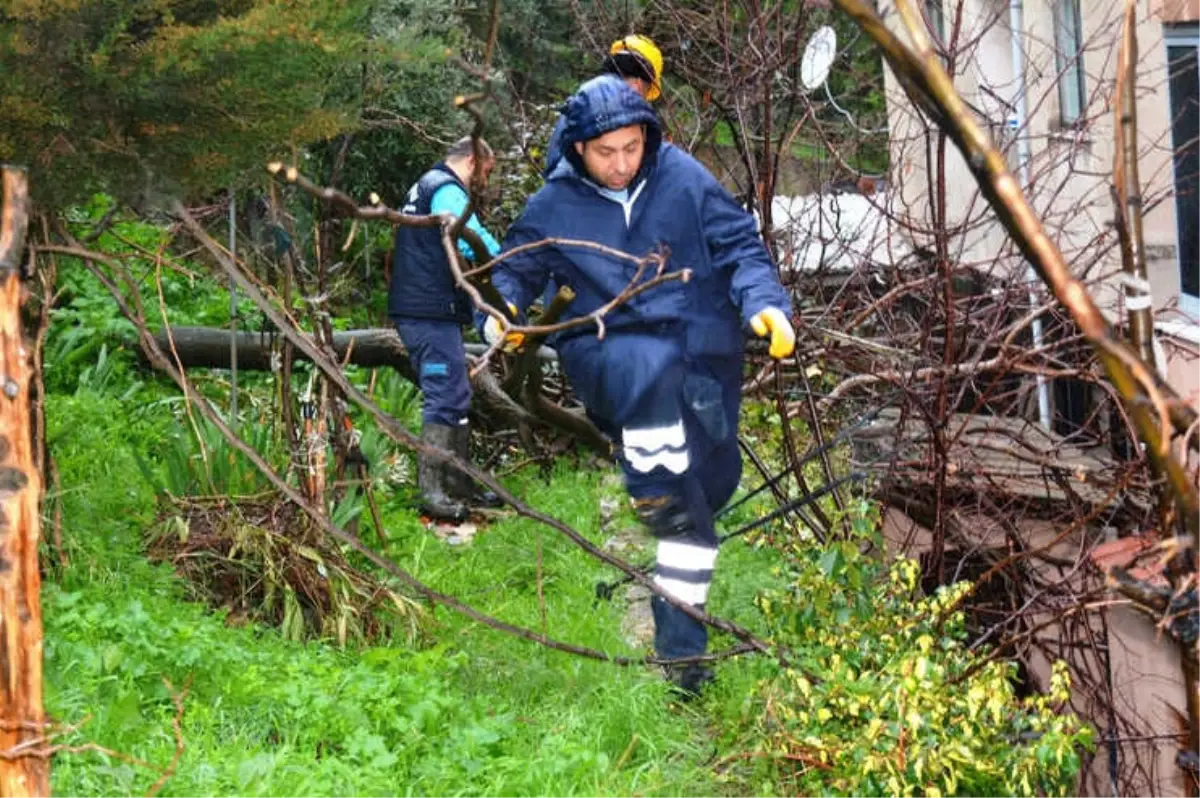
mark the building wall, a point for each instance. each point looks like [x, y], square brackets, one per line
[1175, 10]
[1179, 356]
[1070, 167]
[1148, 684]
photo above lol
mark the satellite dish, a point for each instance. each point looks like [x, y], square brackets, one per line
[818, 58]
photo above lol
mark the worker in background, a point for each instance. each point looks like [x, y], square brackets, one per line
[429, 309]
[665, 379]
[636, 60]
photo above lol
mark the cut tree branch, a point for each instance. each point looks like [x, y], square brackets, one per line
[401, 435]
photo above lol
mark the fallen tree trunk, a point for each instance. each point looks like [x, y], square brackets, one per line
[209, 347]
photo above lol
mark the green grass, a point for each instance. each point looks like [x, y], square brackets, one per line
[477, 712]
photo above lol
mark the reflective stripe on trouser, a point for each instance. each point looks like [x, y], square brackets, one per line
[647, 448]
[687, 428]
[436, 352]
[672, 463]
[684, 569]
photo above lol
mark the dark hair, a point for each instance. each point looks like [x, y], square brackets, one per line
[628, 64]
[464, 149]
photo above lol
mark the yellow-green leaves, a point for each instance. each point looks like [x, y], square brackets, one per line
[893, 697]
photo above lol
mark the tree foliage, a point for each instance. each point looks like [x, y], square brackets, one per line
[141, 97]
[402, 90]
[408, 89]
[542, 49]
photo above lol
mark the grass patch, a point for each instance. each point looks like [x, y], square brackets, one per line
[478, 712]
[467, 709]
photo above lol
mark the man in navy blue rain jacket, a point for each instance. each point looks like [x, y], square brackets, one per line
[429, 310]
[665, 381]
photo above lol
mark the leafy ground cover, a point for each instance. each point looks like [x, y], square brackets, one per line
[471, 712]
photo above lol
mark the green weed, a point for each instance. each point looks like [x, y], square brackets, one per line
[479, 713]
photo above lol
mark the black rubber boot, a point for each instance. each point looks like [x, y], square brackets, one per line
[689, 680]
[435, 479]
[462, 486]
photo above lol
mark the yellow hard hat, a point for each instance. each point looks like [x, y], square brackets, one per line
[645, 49]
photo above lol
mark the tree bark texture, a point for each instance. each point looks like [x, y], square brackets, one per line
[208, 347]
[24, 769]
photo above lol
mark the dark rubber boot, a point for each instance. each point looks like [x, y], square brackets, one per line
[434, 479]
[462, 486]
[689, 680]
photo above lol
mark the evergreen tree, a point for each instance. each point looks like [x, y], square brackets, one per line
[137, 97]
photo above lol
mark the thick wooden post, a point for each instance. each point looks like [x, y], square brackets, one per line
[24, 770]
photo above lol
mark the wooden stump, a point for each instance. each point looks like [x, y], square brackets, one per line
[24, 768]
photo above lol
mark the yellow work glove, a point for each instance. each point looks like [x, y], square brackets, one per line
[775, 322]
[492, 333]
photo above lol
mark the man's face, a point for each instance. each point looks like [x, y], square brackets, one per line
[614, 158]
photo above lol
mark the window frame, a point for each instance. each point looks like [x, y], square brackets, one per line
[1069, 65]
[1181, 35]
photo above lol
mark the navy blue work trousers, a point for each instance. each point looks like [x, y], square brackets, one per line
[675, 418]
[435, 349]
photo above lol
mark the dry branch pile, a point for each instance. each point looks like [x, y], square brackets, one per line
[261, 558]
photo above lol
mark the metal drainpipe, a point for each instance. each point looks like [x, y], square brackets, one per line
[1018, 122]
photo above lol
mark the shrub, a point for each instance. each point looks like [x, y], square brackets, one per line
[883, 697]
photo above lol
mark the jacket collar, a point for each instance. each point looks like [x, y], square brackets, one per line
[442, 166]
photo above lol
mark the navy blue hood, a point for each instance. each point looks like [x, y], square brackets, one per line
[602, 105]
